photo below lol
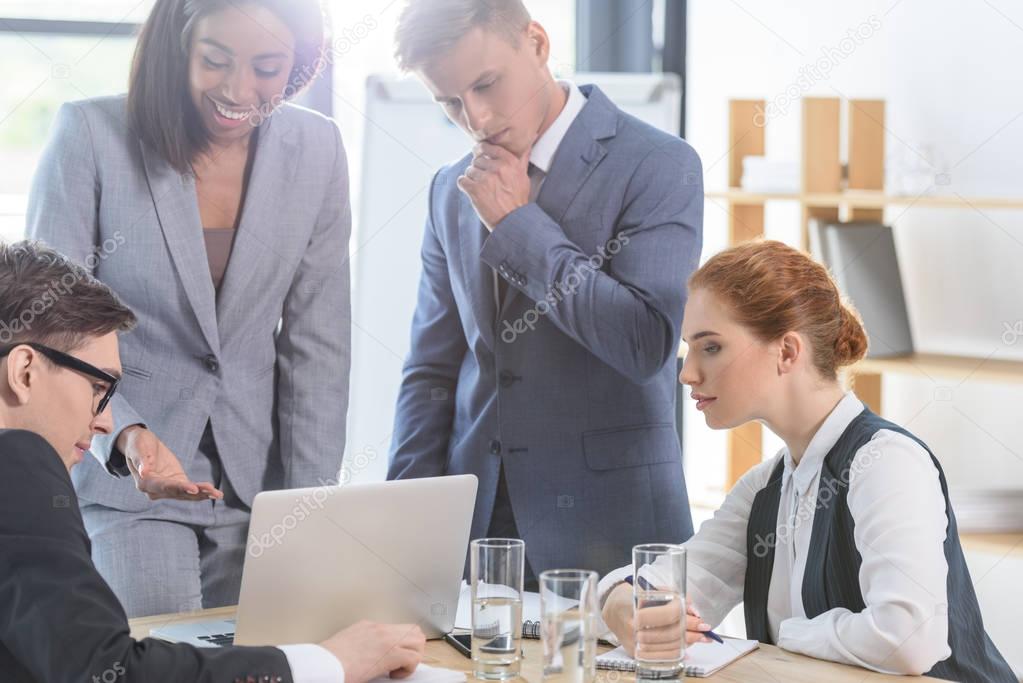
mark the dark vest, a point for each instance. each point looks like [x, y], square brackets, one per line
[833, 564]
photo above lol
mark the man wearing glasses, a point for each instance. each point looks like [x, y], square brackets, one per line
[60, 622]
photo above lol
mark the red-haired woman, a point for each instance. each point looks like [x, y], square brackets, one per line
[843, 546]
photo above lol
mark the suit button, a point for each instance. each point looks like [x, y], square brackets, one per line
[211, 363]
[495, 447]
[508, 378]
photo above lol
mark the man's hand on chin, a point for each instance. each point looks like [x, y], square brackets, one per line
[496, 182]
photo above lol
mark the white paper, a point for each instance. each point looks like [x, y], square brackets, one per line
[428, 674]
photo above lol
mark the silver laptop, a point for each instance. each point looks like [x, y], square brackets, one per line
[320, 559]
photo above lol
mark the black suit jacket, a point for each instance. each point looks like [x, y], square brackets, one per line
[59, 620]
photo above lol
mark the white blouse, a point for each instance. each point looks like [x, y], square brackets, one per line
[896, 502]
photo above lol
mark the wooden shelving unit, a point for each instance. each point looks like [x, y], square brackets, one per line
[823, 196]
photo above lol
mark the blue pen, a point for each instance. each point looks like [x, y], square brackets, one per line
[647, 586]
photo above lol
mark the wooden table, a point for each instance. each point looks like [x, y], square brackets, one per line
[769, 664]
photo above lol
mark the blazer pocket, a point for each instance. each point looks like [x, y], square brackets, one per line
[265, 371]
[138, 373]
[610, 449]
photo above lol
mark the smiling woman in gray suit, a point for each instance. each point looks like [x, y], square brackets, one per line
[220, 214]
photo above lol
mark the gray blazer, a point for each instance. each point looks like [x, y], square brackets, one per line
[571, 384]
[267, 359]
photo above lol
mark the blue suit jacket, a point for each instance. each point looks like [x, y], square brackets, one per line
[572, 383]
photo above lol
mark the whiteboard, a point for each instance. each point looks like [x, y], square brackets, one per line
[407, 138]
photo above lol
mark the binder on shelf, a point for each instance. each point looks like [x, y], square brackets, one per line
[862, 258]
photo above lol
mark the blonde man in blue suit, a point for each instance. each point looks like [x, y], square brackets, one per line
[220, 214]
[546, 332]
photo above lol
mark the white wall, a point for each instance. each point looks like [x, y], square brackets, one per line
[949, 72]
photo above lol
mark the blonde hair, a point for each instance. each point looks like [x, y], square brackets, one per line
[429, 28]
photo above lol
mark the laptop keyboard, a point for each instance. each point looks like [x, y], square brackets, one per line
[219, 640]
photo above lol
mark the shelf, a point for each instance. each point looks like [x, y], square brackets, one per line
[1003, 545]
[934, 366]
[752, 198]
[866, 199]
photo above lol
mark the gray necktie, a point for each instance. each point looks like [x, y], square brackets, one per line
[536, 177]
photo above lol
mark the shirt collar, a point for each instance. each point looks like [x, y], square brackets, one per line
[821, 444]
[544, 148]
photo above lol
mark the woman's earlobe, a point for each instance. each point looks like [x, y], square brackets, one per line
[788, 352]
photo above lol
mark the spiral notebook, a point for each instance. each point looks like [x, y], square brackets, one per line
[530, 612]
[702, 659]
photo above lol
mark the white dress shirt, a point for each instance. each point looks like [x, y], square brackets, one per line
[542, 155]
[897, 505]
[313, 664]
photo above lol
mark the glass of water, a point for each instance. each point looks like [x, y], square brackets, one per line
[497, 566]
[659, 582]
[568, 625]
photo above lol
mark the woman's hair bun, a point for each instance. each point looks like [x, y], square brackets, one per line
[851, 343]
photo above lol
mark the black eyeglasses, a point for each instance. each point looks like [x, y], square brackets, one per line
[72, 363]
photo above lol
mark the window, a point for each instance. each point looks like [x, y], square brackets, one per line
[41, 73]
[54, 51]
[114, 11]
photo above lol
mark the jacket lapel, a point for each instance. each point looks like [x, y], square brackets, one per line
[815, 589]
[761, 538]
[177, 209]
[579, 153]
[254, 250]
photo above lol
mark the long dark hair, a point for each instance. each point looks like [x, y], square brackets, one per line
[160, 109]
